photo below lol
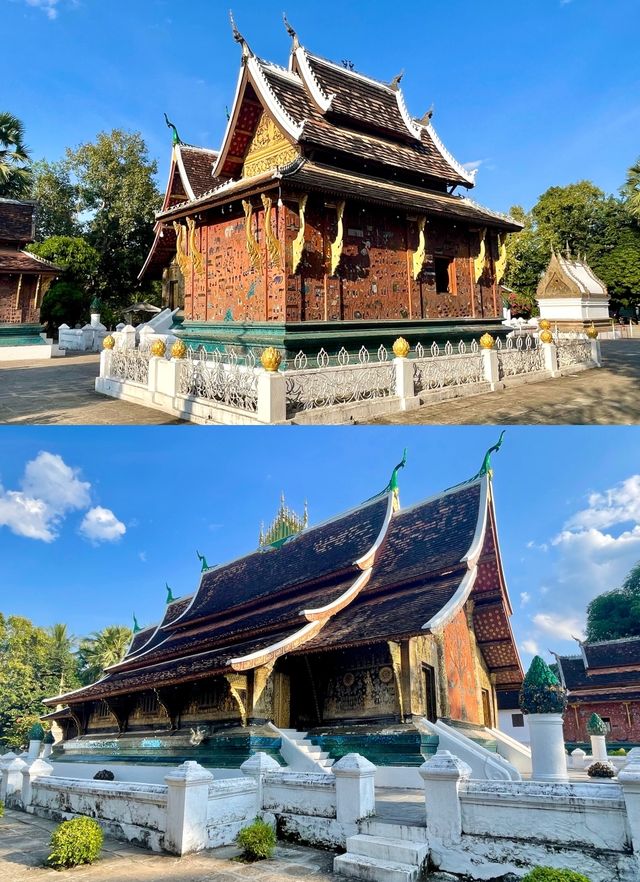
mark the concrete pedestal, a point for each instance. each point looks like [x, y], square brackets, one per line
[548, 758]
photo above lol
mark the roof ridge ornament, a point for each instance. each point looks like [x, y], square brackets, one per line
[291, 31]
[395, 82]
[237, 36]
[175, 136]
[136, 626]
[203, 561]
[170, 597]
[485, 468]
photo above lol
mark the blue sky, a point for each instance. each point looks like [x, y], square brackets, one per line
[534, 94]
[568, 506]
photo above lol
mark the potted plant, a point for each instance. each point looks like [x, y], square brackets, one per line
[544, 700]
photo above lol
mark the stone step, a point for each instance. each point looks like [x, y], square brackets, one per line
[357, 866]
[393, 830]
[294, 734]
[383, 848]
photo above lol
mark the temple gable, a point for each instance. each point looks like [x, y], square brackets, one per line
[268, 148]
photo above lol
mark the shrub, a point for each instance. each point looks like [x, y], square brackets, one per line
[257, 840]
[49, 739]
[1, 809]
[596, 725]
[104, 775]
[36, 732]
[548, 874]
[75, 842]
[619, 752]
[541, 691]
[601, 770]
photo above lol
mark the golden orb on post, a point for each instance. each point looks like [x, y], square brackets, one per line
[546, 336]
[271, 359]
[179, 349]
[401, 348]
[487, 341]
[109, 342]
[544, 325]
[159, 348]
[592, 332]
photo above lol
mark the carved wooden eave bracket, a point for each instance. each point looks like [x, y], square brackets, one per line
[238, 688]
[273, 243]
[298, 242]
[182, 255]
[480, 261]
[419, 254]
[501, 262]
[338, 242]
[196, 258]
[253, 249]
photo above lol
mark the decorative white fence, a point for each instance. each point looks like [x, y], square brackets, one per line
[227, 388]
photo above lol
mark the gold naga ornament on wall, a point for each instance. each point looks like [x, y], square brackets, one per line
[273, 245]
[268, 149]
[501, 262]
[479, 261]
[181, 247]
[421, 251]
[336, 245]
[253, 248]
[298, 242]
[197, 261]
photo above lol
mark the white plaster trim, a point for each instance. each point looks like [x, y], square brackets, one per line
[472, 555]
[319, 96]
[233, 118]
[455, 603]
[414, 128]
[323, 612]
[245, 662]
[449, 157]
[183, 174]
[287, 122]
[362, 561]
[496, 540]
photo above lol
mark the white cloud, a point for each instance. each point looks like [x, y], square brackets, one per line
[143, 556]
[49, 7]
[101, 525]
[619, 505]
[530, 646]
[48, 491]
[525, 597]
[474, 165]
[564, 627]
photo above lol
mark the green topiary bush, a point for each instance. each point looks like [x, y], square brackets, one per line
[542, 692]
[36, 732]
[75, 842]
[49, 739]
[548, 874]
[596, 725]
[601, 770]
[257, 841]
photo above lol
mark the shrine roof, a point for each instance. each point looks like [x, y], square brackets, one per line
[14, 261]
[613, 653]
[17, 220]
[578, 678]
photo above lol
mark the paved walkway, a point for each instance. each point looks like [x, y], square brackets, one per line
[610, 395]
[24, 841]
[61, 391]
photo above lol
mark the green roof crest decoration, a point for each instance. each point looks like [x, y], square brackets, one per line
[203, 561]
[170, 597]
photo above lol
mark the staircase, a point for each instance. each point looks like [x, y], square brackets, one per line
[300, 753]
[384, 852]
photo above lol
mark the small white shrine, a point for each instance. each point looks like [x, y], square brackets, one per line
[571, 296]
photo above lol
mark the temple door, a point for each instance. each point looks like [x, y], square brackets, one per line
[486, 708]
[281, 700]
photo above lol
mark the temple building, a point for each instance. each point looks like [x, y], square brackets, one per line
[353, 630]
[571, 296]
[24, 280]
[604, 679]
[329, 216]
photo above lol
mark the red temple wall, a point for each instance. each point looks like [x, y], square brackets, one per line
[625, 726]
[25, 311]
[374, 281]
[461, 671]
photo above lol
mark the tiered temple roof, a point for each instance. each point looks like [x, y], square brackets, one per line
[17, 229]
[374, 573]
[607, 669]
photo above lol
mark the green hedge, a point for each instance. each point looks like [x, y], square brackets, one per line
[257, 841]
[548, 874]
[75, 842]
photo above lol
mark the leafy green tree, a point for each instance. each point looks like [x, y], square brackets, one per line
[102, 649]
[527, 255]
[15, 172]
[616, 613]
[631, 190]
[117, 192]
[68, 300]
[63, 663]
[57, 200]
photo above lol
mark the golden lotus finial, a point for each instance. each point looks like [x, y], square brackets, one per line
[487, 341]
[592, 332]
[544, 325]
[179, 349]
[271, 359]
[546, 336]
[159, 348]
[109, 342]
[401, 348]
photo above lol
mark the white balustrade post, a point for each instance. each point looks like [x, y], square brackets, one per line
[491, 368]
[442, 775]
[11, 783]
[126, 338]
[167, 376]
[550, 357]
[598, 748]
[37, 769]
[629, 778]
[548, 757]
[578, 758]
[257, 766]
[5, 760]
[596, 352]
[34, 748]
[105, 362]
[404, 387]
[272, 396]
[187, 798]
[152, 377]
[355, 790]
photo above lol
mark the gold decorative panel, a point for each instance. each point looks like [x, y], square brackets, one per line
[298, 242]
[273, 245]
[419, 253]
[336, 245]
[252, 243]
[197, 261]
[181, 247]
[501, 262]
[268, 149]
[479, 261]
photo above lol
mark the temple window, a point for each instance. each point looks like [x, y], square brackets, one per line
[607, 722]
[149, 703]
[430, 710]
[517, 721]
[445, 275]
[102, 710]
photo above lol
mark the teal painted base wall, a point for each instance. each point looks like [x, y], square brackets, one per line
[21, 335]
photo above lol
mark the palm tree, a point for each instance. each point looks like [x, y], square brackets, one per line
[15, 173]
[102, 649]
[62, 648]
[631, 189]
